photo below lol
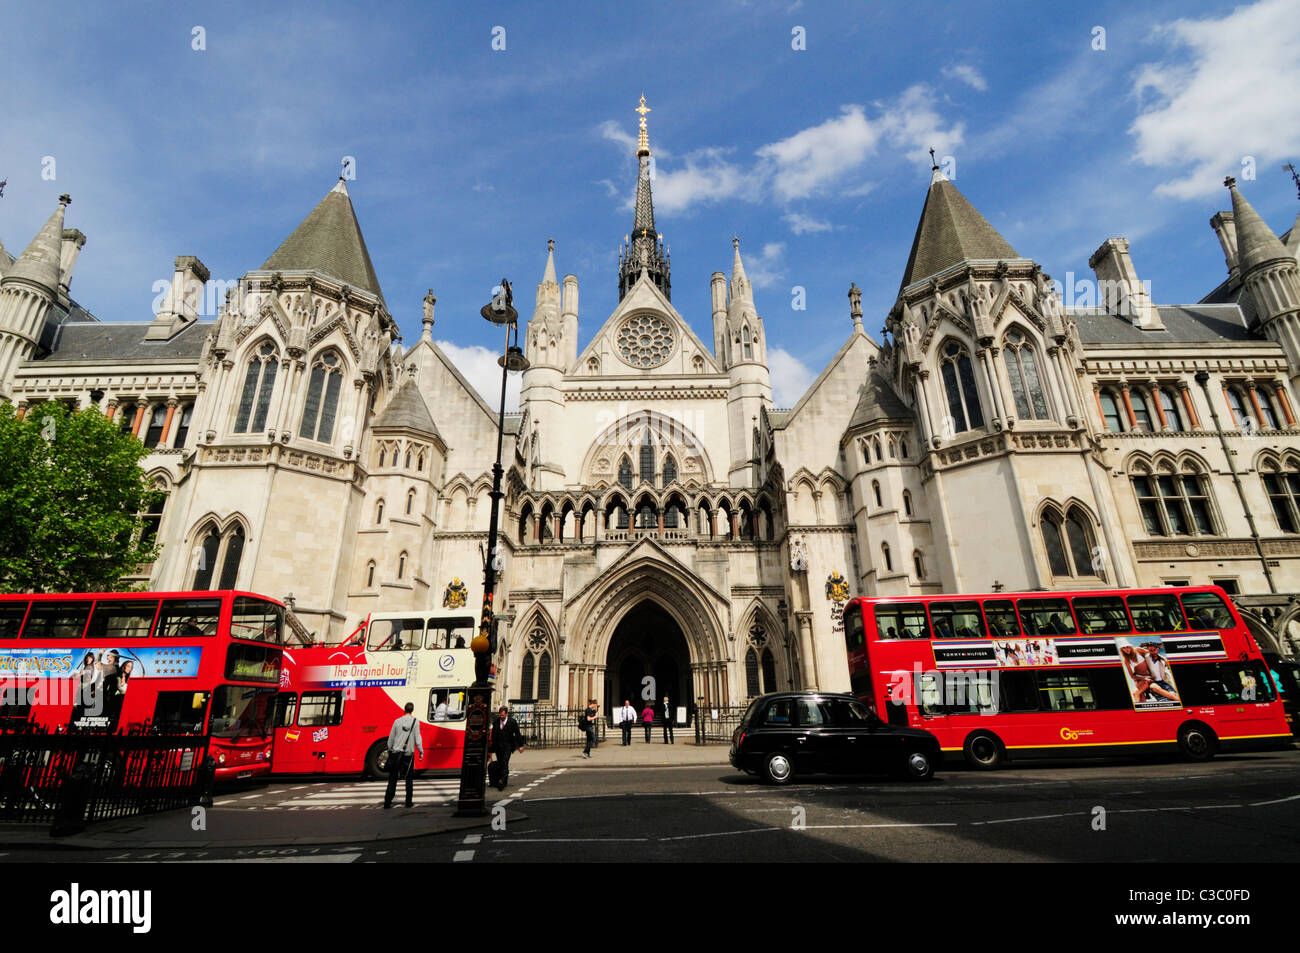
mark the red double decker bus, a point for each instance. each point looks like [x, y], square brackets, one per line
[173, 662]
[339, 701]
[1002, 676]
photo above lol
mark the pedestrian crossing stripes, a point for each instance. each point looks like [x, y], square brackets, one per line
[357, 794]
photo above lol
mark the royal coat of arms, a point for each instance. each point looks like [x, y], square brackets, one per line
[456, 594]
[837, 588]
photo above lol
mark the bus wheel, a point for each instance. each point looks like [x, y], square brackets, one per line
[983, 750]
[777, 769]
[377, 760]
[1197, 742]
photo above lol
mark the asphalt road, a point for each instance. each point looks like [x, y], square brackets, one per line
[1234, 809]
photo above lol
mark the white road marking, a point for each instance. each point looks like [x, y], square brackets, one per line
[473, 838]
[313, 859]
[1280, 800]
[462, 856]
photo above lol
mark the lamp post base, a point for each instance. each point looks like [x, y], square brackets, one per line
[473, 768]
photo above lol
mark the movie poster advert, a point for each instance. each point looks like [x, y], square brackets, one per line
[1149, 675]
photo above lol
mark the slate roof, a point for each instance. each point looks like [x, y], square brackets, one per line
[329, 241]
[950, 231]
[123, 342]
[1184, 324]
[878, 402]
[407, 409]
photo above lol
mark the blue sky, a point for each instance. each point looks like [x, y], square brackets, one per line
[468, 158]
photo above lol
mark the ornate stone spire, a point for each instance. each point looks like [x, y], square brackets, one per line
[643, 249]
[643, 137]
[1256, 243]
[39, 262]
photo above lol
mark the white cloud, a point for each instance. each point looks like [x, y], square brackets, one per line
[802, 224]
[765, 270]
[915, 126]
[968, 75]
[707, 177]
[790, 378]
[814, 157]
[1231, 96]
[479, 365]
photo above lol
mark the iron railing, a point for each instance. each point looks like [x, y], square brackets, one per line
[716, 725]
[555, 727]
[75, 778]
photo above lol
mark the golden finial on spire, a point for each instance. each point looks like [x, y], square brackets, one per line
[643, 138]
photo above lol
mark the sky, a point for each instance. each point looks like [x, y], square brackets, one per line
[477, 132]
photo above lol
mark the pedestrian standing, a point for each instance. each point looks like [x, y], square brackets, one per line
[626, 719]
[667, 712]
[647, 719]
[587, 720]
[403, 742]
[504, 739]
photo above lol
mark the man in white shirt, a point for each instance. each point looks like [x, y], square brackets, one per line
[403, 742]
[626, 718]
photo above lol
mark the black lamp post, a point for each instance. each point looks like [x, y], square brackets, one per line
[479, 702]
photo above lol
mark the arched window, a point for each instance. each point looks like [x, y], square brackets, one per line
[875, 490]
[751, 673]
[893, 448]
[1110, 412]
[151, 520]
[322, 405]
[748, 349]
[527, 676]
[230, 560]
[370, 574]
[401, 565]
[183, 428]
[544, 677]
[156, 420]
[259, 381]
[207, 559]
[647, 468]
[419, 463]
[670, 469]
[126, 418]
[902, 448]
[379, 512]
[408, 459]
[959, 387]
[1054, 544]
[875, 447]
[382, 453]
[1169, 404]
[1174, 504]
[646, 517]
[1266, 408]
[625, 473]
[410, 501]
[918, 564]
[884, 555]
[1069, 543]
[1283, 491]
[769, 671]
[1141, 413]
[907, 502]
[1079, 535]
[1237, 401]
[1022, 372]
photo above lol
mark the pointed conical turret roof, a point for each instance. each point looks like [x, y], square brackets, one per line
[39, 262]
[878, 402]
[329, 241]
[950, 231]
[1256, 243]
[740, 286]
[407, 409]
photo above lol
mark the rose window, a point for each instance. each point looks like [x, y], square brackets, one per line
[645, 340]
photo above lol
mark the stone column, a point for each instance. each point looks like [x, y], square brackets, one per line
[1193, 420]
[999, 411]
[1101, 414]
[167, 424]
[1285, 404]
[807, 662]
[1254, 402]
[139, 416]
[1154, 394]
[112, 408]
[1128, 405]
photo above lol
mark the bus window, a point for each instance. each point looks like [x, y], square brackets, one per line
[447, 704]
[1046, 616]
[450, 633]
[1017, 691]
[257, 620]
[970, 692]
[188, 618]
[855, 633]
[395, 635]
[1001, 614]
[1065, 691]
[320, 709]
[929, 694]
[957, 620]
[11, 618]
[239, 711]
[122, 620]
[253, 663]
[1101, 614]
[901, 620]
[1223, 683]
[1205, 610]
[286, 706]
[1156, 614]
[1111, 690]
[180, 712]
[57, 620]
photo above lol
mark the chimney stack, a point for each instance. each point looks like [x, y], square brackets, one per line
[184, 298]
[1118, 289]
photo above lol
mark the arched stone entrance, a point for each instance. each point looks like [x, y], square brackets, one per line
[647, 659]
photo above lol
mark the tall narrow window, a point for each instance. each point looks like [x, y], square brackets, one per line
[751, 673]
[1169, 404]
[1080, 539]
[1022, 372]
[379, 512]
[1110, 411]
[907, 503]
[769, 671]
[875, 491]
[186, 417]
[1283, 491]
[884, 554]
[230, 562]
[1052, 543]
[670, 470]
[745, 340]
[410, 502]
[321, 407]
[1265, 409]
[1237, 402]
[918, 564]
[401, 565]
[370, 575]
[647, 469]
[959, 386]
[151, 519]
[544, 677]
[625, 473]
[259, 382]
[527, 677]
[207, 559]
[157, 418]
[1141, 413]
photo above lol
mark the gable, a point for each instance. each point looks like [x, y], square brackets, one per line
[645, 336]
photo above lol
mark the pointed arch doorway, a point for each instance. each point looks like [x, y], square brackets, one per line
[648, 658]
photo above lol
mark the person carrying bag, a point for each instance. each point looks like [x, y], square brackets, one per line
[403, 742]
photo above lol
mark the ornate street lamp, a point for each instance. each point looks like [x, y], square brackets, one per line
[500, 310]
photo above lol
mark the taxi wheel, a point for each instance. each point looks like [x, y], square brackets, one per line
[983, 750]
[777, 769]
[918, 765]
[1197, 742]
[377, 761]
